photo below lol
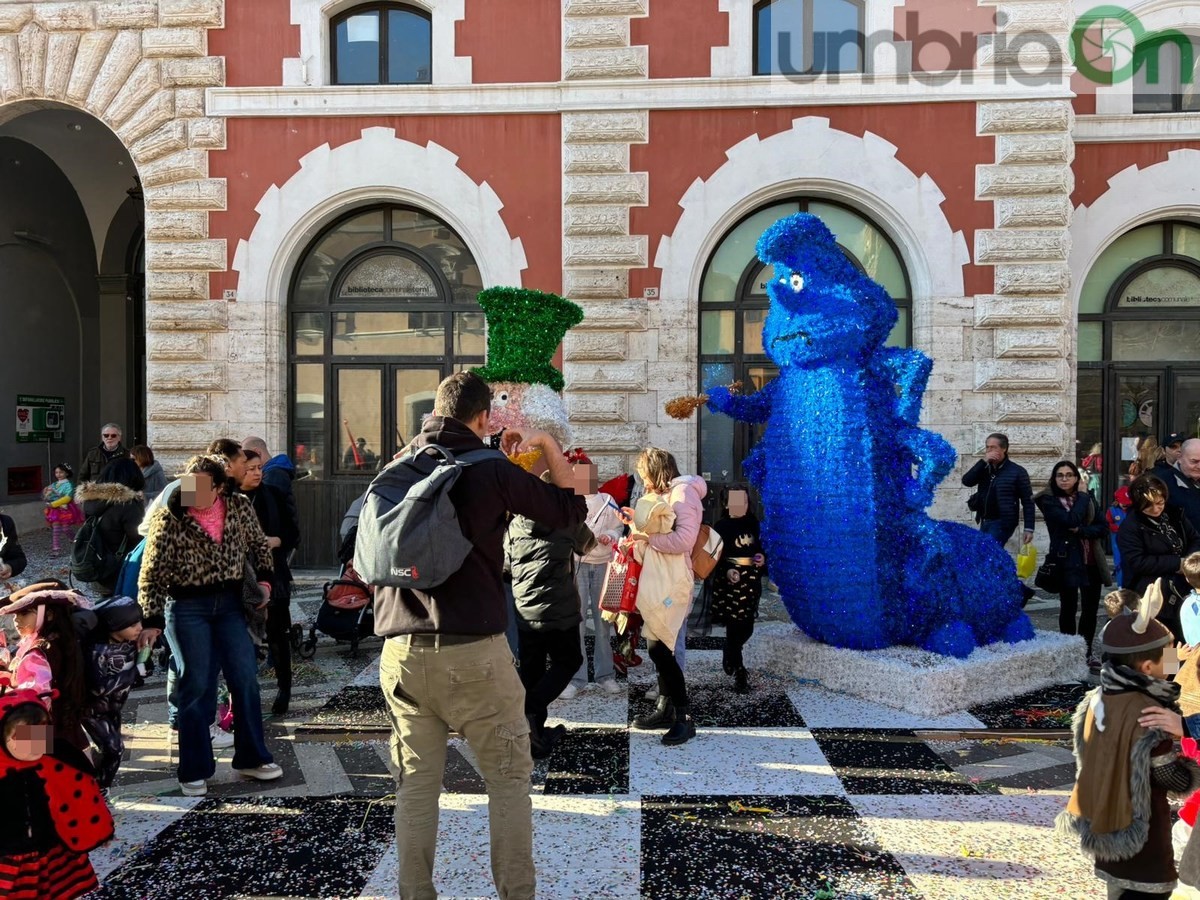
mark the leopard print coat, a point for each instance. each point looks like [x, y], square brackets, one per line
[179, 554]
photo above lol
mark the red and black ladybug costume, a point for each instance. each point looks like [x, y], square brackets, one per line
[53, 814]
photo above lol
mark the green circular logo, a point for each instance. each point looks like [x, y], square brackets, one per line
[1093, 44]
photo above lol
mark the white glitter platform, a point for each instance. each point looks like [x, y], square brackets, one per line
[917, 681]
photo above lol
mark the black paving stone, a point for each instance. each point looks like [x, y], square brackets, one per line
[888, 761]
[461, 777]
[713, 703]
[751, 847]
[367, 772]
[589, 761]
[353, 708]
[1048, 708]
[273, 847]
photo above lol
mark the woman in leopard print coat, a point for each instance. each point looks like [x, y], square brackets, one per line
[197, 549]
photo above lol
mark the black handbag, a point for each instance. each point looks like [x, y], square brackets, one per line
[1049, 575]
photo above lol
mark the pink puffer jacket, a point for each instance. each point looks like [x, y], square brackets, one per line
[686, 497]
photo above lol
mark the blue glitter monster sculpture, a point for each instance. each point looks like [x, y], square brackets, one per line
[845, 472]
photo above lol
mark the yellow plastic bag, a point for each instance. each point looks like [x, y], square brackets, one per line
[1026, 560]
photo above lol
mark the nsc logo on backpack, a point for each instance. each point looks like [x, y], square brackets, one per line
[409, 535]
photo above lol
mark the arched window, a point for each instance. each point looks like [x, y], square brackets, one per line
[1139, 346]
[381, 43]
[382, 308]
[808, 37]
[733, 310]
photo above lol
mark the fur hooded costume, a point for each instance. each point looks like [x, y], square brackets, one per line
[54, 813]
[1119, 808]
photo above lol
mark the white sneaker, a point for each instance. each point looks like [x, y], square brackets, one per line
[265, 772]
[221, 739]
[651, 694]
[569, 692]
[609, 686]
[193, 788]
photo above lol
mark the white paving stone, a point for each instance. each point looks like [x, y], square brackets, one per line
[825, 709]
[729, 761]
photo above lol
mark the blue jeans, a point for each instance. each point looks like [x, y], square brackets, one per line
[510, 633]
[207, 635]
[589, 581]
[998, 529]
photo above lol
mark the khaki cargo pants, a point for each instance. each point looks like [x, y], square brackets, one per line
[471, 688]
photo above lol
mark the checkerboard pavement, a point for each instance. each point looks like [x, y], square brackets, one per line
[788, 791]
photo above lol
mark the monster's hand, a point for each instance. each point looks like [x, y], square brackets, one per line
[934, 459]
[909, 371]
[754, 408]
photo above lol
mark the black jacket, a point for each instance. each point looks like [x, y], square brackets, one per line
[1182, 492]
[95, 461]
[271, 507]
[1066, 546]
[1008, 485]
[120, 510]
[11, 553]
[1146, 554]
[472, 600]
[542, 562]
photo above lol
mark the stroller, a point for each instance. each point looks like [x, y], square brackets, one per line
[347, 612]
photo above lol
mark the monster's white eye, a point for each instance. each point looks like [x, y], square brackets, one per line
[501, 399]
[797, 282]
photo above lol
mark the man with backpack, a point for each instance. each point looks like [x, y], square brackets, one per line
[446, 664]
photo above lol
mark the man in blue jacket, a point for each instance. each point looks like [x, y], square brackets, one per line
[1002, 492]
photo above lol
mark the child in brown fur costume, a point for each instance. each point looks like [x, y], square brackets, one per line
[1127, 763]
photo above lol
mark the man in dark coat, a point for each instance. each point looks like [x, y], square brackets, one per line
[1183, 482]
[110, 449]
[1002, 492]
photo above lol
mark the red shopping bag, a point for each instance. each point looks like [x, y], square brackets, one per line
[621, 580]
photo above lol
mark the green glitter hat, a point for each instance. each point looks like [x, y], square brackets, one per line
[524, 329]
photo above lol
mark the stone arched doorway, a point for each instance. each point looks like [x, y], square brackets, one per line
[138, 72]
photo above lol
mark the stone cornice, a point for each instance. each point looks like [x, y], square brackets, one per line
[1130, 128]
[613, 94]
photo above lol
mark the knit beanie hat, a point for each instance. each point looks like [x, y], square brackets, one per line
[118, 613]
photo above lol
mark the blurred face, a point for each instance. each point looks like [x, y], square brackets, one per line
[110, 437]
[59, 474]
[993, 449]
[1065, 479]
[1172, 453]
[739, 503]
[583, 477]
[128, 634]
[253, 475]
[28, 741]
[1189, 459]
[1155, 504]
[196, 490]
[26, 621]
[236, 468]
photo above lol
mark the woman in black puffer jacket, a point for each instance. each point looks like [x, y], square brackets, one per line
[542, 562]
[117, 499]
[1076, 526]
[1154, 539]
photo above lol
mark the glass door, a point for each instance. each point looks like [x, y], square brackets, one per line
[1185, 402]
[415, 390]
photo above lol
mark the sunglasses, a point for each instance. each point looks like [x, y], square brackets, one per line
[110, 435]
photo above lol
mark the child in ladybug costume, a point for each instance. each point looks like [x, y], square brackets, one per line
[53, 812]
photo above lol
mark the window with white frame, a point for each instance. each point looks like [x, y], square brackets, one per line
[1165, 74]
[381, 43]
[808, 37]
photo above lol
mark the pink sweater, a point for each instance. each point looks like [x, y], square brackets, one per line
[686, 498]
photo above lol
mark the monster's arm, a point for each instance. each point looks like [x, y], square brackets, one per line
[909, 371]
[934, 459]
[753, 408]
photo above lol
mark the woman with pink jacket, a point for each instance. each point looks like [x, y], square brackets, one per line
[684, 495]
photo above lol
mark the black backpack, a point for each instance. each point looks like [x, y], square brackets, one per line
[408, 530]
[90, 560]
